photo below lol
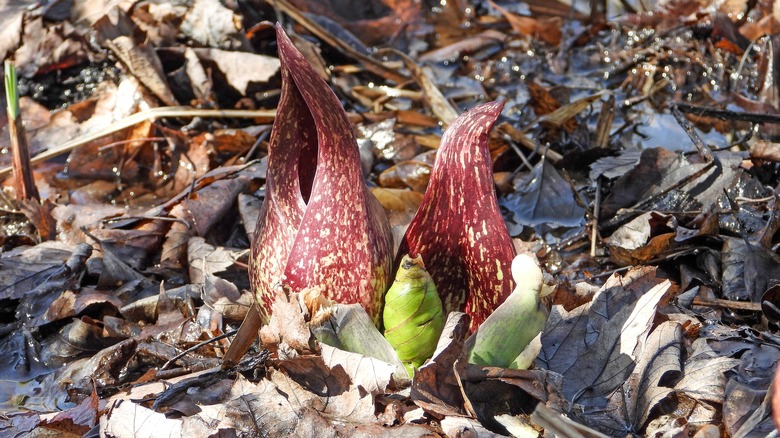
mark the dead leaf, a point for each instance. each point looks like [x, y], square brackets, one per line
[204, 261]
[127, 419]
[80, 338]
[704, 378]
[26, 267]
[212, 24]
[313, 385]
[48, 46]
[75, 421]
[597, 346]
[765, 150]
[198, 215]
[249, 209]
[492, 392]
[58, 281]
[546, 29]
[638, 232]
[544, 198]
[435, 388]
[159, 21]
[747, 411]
[287, 332]
[143, 63]
[656, 370]
[666, 181]
[120, 264]
[20, 423]
[466, 427]
[413, 174]
[240, 68]
[613, 167]
[650, 236]
[374, 23]
[11, 25]
[203, 258]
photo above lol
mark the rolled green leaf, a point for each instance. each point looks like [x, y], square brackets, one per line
[351, 329]
[500, 340]
[413, 314]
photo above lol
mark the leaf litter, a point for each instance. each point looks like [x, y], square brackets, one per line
[665, 317]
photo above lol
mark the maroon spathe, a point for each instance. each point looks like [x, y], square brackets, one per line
[319, 225]
[459, 230]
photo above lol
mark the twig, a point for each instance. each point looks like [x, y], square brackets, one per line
[728, 304]
[148, 218]
[439, 104]
[150, 114]
[604, 125]
[124, 142]
[260, 139]
[594, 229]
[704, 150]
[195, 347]
[727, 114]
[527, 142]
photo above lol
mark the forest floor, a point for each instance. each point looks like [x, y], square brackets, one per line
[634, 158]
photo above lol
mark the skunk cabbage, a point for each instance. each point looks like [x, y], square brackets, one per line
[319, 224]
[499, 341]
[458, 228]
[413, 314]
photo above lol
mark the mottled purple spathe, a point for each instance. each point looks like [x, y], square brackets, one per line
[319, 225]
[459, 230]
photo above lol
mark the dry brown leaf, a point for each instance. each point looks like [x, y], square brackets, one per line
[198, 215]
[212, 24]
[545, 29]
[597, 346]
[11, 25]
[143, 63]
[240, 68]
[435, 387]
[544, 103]
[287, 332]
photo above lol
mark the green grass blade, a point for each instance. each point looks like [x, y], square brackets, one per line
[10, 89]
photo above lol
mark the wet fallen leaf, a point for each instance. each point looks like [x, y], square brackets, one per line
[544, 198]
[665, 181]
[26, 267]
